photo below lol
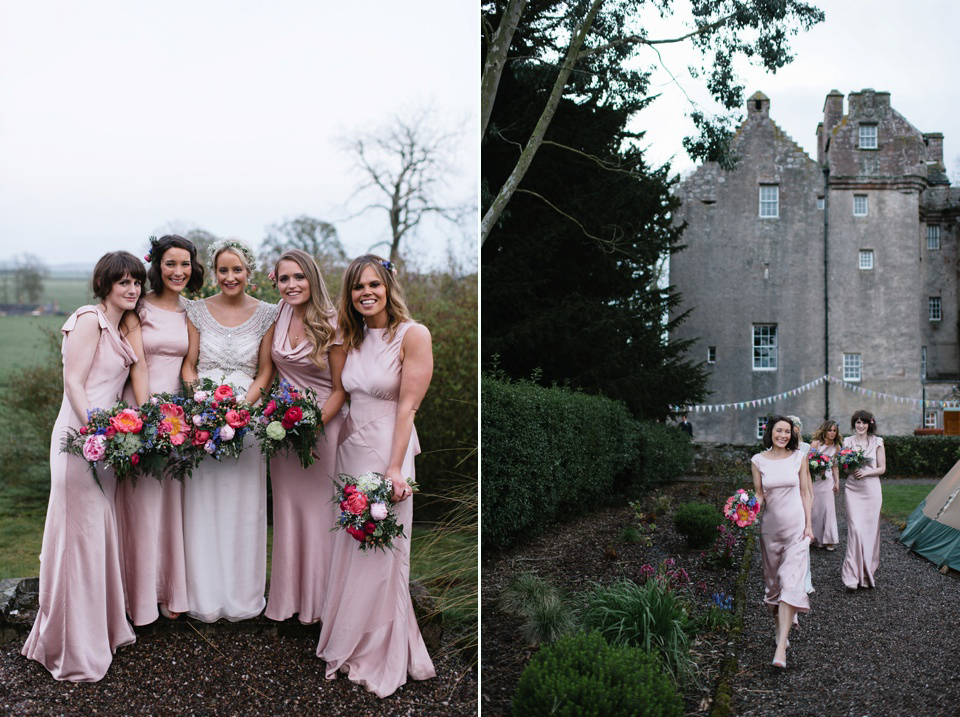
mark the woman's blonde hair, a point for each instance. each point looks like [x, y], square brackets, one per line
[319, 310]
[239, 248]
[821, 432]
[350, 320]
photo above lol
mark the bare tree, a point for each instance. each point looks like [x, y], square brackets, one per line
[314, 236]
[28, 275]
[405, 165]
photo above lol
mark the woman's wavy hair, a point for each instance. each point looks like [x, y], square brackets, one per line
[159, 248]
[243, 252]
[867, 418]
[111, 268]
[319, 310]
[794, 441]
[820, 433]
[350, 320]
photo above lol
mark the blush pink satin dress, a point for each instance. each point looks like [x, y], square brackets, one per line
[784, 549]
[304, 510]
[150, 513]
[81, 620]
[863, 499]
[824, 512]
[369, 627]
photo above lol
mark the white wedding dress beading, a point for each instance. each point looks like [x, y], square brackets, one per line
[225, 503]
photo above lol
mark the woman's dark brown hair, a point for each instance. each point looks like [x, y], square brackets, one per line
[768, 433]
[111, 268]
[158, 249]
[867, 418]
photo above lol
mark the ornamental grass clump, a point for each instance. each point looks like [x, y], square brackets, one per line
[697, 523]
[546, 615]
[584, 676]
[652, 617]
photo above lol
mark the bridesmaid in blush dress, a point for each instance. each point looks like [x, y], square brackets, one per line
[369, 628]
[781, 479]
[863, 499]
[150, 513]
[307, 353]
[825, 531]
[81, 620]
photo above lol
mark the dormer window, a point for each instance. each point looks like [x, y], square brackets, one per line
[868, 136]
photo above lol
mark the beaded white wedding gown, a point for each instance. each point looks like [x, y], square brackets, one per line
[225, 503]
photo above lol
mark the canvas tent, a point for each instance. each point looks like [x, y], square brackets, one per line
[933, 529]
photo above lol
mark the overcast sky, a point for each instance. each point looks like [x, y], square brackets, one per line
[907, 49]
[122, 119]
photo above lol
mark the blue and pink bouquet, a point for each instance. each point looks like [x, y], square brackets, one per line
[819, 464]
[218, 419]
[742, 508]
[111, 436]
[289, 418]
[850, 459]
[365, 509]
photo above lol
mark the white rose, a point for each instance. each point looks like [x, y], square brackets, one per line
[226, 432]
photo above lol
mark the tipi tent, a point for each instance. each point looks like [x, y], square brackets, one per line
[933, 529]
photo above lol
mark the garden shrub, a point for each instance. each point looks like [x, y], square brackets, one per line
[549, 454]
[546, 616]
[652, 617]
[697, 522]
[583, 676]
[920, 456]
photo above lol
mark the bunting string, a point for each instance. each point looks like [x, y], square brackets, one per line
[870, 393]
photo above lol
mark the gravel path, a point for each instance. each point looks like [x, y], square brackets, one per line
[886, 651]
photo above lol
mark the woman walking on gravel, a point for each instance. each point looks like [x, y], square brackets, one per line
[825, 441]
[863, 499]
[781, 480]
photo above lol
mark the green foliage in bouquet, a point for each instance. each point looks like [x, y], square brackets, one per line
[697, 523]
[583, 676]
[652, 617]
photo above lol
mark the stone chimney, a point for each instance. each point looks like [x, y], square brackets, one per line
[934, 142]
[758, 104]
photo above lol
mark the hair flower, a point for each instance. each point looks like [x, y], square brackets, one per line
[389, 266]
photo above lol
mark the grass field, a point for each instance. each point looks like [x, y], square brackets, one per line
[24, 341]
[899, 501]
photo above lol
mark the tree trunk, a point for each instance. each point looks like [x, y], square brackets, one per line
[536, 138]
[497, 58]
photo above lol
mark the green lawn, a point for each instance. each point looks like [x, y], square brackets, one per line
[899, 501]
[24, 341]
[20, 539]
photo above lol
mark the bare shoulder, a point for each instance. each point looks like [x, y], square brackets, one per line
[417, 332]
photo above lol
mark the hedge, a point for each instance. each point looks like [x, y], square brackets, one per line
[551, 454]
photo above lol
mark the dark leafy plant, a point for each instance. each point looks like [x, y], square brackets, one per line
[697, 522]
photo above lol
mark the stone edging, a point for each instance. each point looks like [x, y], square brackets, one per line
[723, 695]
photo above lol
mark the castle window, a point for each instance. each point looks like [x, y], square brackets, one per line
[761, 426]
[930, 419]
[711, 354]
[859, 205]
[821, 203]
[868, 136]
[866, 259]
[933, 238]
[764, 347]
[935, 310]
[769, 201]
[851, 367]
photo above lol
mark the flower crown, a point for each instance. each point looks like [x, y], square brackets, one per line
[148, 257]
[235, 244]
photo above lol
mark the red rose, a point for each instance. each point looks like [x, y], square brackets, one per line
[83, 430]
[111, 432]
[357, 503]
[135, 458]
[349, 488]
[223, 392]
[271, 407]
[200, 437]
[357, 533]
[343, 506]
[290, 418]
[214, 405]
[369, 527]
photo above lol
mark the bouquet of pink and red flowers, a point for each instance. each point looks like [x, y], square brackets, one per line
[849, 459]
[819, 464]
[170, 439]
[112, 436]
[365, 511]
[289, 418]
[219, 420]
[742, 508]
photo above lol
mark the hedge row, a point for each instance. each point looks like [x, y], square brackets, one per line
[551, 454]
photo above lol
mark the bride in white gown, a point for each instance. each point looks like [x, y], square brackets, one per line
[225, 504]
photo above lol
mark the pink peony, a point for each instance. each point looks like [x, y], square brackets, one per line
[271, 407]
[238, 419]
[127, 421]
[227, 433]
[378, 511]
[94, 448]
[223, 392]
[175, 423]
[200, 396]
[357, 503]
[200, 438]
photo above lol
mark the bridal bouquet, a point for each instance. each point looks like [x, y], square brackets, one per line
[742, 508]
[288, 418]
[218, 419]
[849, 459]
[111, 436]
[172, 446]
[365, 511]
[819, 464]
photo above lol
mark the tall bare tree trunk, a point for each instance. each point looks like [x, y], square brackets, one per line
[496, 59]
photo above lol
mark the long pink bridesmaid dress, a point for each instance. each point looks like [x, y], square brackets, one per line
[81, 621]
[150, 514]
[369, 627]
[303, 505]
[785, 552]
[824, 512]
[863, 499]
